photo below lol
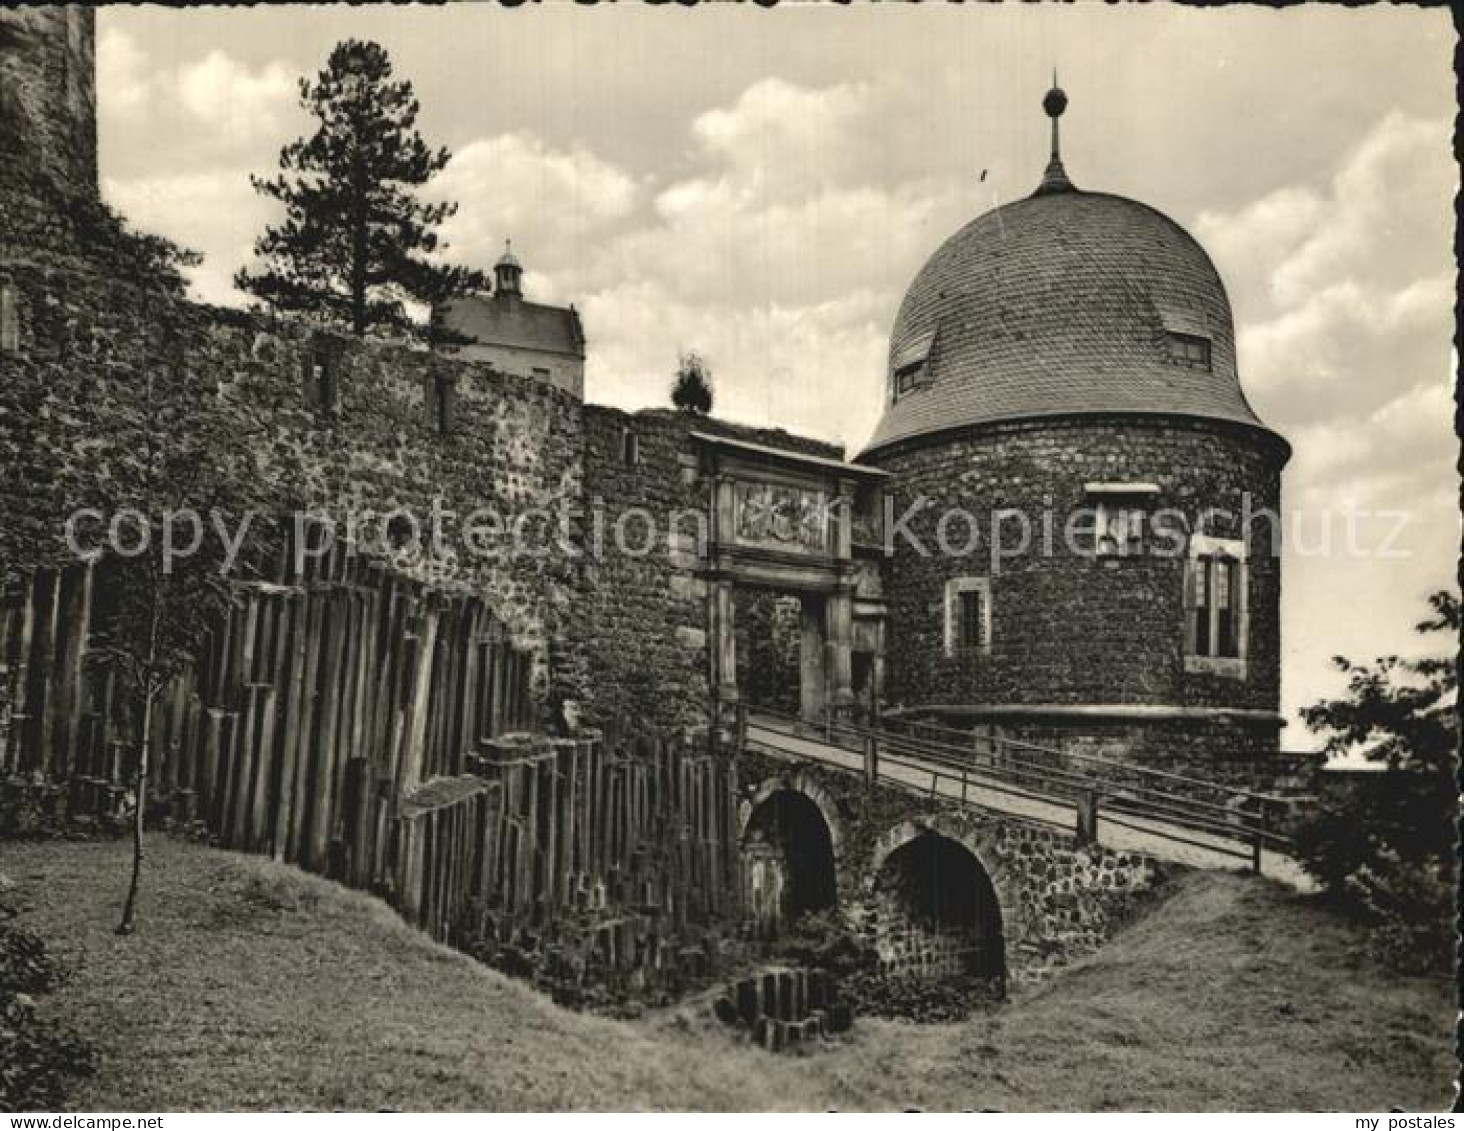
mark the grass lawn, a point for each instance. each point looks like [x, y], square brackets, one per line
[252, 986]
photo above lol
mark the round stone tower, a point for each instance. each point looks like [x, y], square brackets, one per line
[48, 97]
[1084, 501]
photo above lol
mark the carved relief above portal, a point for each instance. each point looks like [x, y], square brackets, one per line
[787, 518]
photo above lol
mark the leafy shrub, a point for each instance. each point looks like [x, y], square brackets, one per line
[141, 255]
[913, 997]
[691, 392]
[36, 1056]
[1411, 906]
[823, 940]
[1382, 845]
[25, 967]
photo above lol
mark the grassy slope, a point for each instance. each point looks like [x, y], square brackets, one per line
[252, 986]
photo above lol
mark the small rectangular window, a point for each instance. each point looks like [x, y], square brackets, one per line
[1189, 350]
[629, 448]
[968, 615]
[1118, 528]
[444, 392]
[320, 380]
[971, 619]
[1215, 601]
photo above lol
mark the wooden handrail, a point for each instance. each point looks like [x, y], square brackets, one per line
[1096, 759]
[1046, 774]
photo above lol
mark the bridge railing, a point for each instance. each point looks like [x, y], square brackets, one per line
[1161, 803]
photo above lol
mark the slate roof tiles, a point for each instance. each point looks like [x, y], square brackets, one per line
[1058, 304]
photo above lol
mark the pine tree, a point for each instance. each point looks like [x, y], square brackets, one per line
[355, 245]
[692, 391]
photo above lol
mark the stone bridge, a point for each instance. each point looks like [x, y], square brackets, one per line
[935, 886]
[949, 861]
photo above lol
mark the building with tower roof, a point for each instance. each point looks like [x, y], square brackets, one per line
[514, 335]
[1070, 357]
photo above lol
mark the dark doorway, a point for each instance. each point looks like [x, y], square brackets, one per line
[936, 911]
[768, 646]
[788, 862]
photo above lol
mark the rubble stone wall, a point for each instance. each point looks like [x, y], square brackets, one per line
[1070, 628]
[511, 452]
[1057, 899]
[48, 92]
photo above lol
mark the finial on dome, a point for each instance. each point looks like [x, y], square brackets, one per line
[1054, 178]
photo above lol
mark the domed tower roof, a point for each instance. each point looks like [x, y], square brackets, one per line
[1066, 302]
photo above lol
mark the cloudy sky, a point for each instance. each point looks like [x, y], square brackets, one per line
[762, 186]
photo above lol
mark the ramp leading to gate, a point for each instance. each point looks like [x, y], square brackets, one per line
[1186, 820]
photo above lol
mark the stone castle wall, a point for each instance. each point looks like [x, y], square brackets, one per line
[1068, 628]
[85, 342]
[643, 617]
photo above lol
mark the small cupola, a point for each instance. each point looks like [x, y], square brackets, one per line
[508, 273]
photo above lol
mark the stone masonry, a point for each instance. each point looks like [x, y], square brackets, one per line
[1119, 618]
[1056, 899]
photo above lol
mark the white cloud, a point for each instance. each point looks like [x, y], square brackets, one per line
[549, 201]
[772, 252]
[780, 137]
[1378, 220]
[1345, 291]
[228, 104]
[772, 364]
[215, 212]
[1344, 297]
[123, 80]
[224, 93]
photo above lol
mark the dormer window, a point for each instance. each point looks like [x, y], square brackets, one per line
[910, 368]
[1190, 350]
[1120, 513]
[908, 378]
